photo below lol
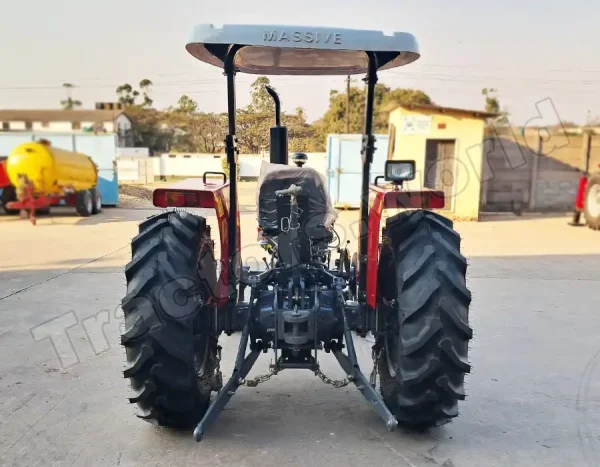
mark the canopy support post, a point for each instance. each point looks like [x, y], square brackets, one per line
[368, 148]
[232, 150]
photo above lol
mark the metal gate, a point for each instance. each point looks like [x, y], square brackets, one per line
[344, 167]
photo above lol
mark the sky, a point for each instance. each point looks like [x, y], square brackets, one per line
[542, 56]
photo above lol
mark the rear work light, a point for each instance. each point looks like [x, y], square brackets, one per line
[399, 171]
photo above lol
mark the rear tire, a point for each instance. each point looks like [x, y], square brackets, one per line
[9, 194]
[167, 340]
[85, 203]
[592, 202]
[96, 201]
[424, 352]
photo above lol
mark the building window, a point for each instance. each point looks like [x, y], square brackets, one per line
[5, 126]
[187, 157]
[45, 124]
[28, 125]
[172, 156]
[76, 125]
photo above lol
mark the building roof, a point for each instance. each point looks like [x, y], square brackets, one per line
[450, 110]
[58, 115]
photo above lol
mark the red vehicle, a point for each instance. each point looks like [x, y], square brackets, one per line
[406, 284]
[587, 201]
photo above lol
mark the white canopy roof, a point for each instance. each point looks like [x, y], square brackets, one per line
[301, 50]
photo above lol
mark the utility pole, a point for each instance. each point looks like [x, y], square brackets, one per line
[348, 104]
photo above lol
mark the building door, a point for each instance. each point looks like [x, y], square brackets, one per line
[439, 167]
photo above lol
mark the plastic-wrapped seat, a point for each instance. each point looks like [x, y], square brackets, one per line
[316, 214]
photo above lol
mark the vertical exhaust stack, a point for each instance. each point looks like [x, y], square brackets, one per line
[278, 147]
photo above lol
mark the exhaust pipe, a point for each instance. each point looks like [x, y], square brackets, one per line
[278, 147]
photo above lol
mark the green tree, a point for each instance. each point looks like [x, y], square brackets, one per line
[186, 105]
[492, 103]
[69, 103]
[151, 128]
[386, 100]
[261, 102]
[127, 95]
[145, 85]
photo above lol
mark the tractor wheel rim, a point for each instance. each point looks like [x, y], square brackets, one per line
[593, 201]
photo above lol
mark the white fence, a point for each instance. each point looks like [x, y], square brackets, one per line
[146, 170]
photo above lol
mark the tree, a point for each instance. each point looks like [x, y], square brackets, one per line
[69, 103]
[492, 103]
[186, 105]
[127, 95]
[145, 87]
[303, 137]
[386, 100]
[151, 128]
[261, 102]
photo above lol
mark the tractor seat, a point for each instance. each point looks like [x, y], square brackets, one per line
[316, 212]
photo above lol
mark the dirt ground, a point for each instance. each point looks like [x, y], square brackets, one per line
[533, 394]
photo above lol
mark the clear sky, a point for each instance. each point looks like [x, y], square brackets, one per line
[529, 50]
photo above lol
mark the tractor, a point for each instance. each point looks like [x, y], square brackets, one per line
[587, 199]
[405, 286]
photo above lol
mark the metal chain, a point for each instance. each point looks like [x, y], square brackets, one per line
[252, 383]
[336, 383]
[375, 355]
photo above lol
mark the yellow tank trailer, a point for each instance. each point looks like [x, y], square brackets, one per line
[43, 176]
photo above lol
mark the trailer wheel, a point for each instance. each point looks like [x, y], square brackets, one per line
[592, 202]
[96, 201]
[424, 352]
[9, 194]
[85, 203]
[170, 343]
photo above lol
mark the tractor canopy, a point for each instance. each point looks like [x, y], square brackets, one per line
[301, 50]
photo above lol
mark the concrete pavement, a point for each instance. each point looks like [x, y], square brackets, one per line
[533, 395]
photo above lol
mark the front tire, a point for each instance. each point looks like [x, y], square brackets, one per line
[592, 202]
[424, 352]
[171, 349]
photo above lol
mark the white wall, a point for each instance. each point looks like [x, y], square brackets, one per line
[17, 125]
[196, 164]
[131, 169]
[60, 126]
[63, 127]
[133, 152]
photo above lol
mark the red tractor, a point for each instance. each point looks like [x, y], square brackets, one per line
[587, 200]
[406, 285]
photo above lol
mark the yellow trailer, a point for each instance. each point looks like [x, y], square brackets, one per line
[43, 176]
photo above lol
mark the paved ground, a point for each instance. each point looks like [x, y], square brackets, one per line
[534, 394]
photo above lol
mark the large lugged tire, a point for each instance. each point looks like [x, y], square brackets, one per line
[592, 202]
[171, 353]
[424, 356]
